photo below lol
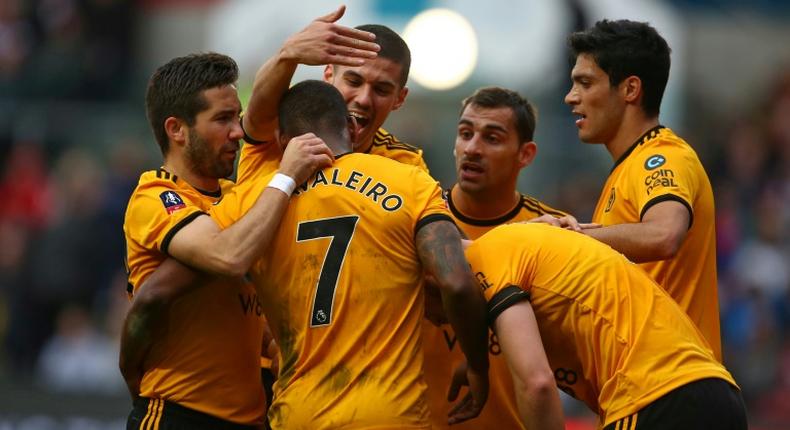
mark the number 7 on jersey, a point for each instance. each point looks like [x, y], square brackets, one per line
[339, 230]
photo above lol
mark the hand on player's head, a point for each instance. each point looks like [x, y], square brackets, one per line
[303, 156]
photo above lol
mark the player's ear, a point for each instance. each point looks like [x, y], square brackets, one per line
[526, 153]
[631, 89]
[329, 73]
[353, 129]
[280, 138]
[401, 98]
[177, 130]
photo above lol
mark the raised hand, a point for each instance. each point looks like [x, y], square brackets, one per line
[324, 41]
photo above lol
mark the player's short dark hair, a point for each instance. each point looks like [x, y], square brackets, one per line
[393, 48]
[626, 48]
[176, 89]
[524, 114]
[313, 107]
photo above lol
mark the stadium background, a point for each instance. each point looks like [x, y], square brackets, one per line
[73, 140]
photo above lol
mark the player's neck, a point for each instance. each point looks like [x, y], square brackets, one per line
[178, 167]
[488, 205]
[634, 125]
[363, 147]
[338, 146]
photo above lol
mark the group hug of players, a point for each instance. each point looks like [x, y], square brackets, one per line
[366, 292]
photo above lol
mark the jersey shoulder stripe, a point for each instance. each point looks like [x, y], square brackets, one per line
[164, 174]
[535, 205]
[384, 138]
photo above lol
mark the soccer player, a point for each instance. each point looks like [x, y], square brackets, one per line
[493, 144]
[183, 367]
[340, 284]
[657, 204]
[369, 65]
[571, 311]
[371, 76]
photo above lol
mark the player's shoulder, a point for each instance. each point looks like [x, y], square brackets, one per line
[387, 145]
[536, 208]
[663, 147]
[152, 183]
[377, 163]
[387, 140]
[664, 139]
[226, 185]
[158, 186]
[157, 178]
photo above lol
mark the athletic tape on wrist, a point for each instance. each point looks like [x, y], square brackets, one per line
[283, 183]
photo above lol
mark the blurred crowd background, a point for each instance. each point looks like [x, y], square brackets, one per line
[74, 139]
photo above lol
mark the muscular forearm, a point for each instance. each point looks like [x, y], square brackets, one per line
[146, 321]
[271, 82]
[540, 407]
[466, 313]
[230, 252]
[142, 326]
[439, 246]
[246, 240]
[640, 242]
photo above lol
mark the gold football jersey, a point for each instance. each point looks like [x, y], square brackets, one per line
[340, 287]
[442, 353]
[660, 167]
[613, 337]
[211, 365]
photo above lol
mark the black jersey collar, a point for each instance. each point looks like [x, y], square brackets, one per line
[483, 222]
[642, 139]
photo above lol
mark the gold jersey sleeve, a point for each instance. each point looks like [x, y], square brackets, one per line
[211, 365]
[257, 160]
[613, 337]
[159, 207]
[340, 289]
[662, 167]
[442, 352]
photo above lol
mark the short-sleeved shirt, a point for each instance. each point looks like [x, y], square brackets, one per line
[614, 339]
[341, 291]
[659, 167]
[209, 364]
[442, 352]
[262, 158]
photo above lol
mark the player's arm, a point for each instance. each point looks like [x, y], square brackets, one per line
[146, 320]
[439, 249]
[321, 42]
[536, 391]
[657, 237]
[230, 252]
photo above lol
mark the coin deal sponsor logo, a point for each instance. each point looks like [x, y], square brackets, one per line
[659, 178]
[655, 161]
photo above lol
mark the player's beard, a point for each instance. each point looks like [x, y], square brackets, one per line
[203, 161]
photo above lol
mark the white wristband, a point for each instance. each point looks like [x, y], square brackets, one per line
[283, 183]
